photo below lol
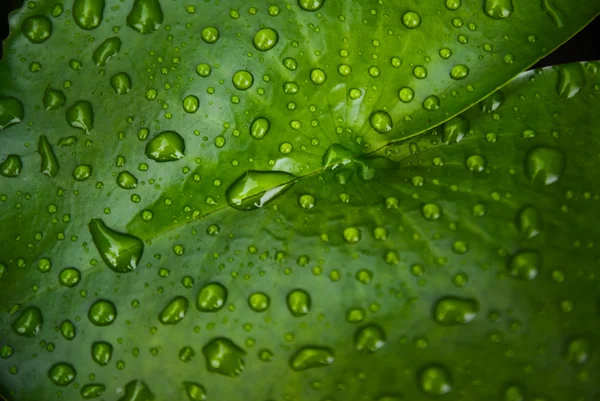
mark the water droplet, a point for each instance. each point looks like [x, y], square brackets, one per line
[381, 122]
[11, 111]
[352, 235]
[102, 313]
[578, 351]
[259, 301]
[29, 323]
[431, 211]
[62, 374]
[92, 390]
[254, 189]
[459, 71]
[476, 163]
[69, 277]
[54, 99]
[126, 180]
[210, 34]
[311, 5]
[420, 72]
[11, 166]
[571, 79]
[492, 102]
[411, 20]
[81, 115]
[88, 13]
[67, 329]
[145, 16]
[195, 391]
[137, 390]
[121, 252]
[49, 165]
[121, 83]
[435, 381]
[174, 311]
[37, 29]
[307, 201]
[82, 172]
[203, 70]
[211, 298]
[525, 265]
[544, 165]
[290, 64]
[406, 94]
[318, 76]
[298, 302]
[453, 5]
[454, 130]
[260, 127]
[224, 357]
[498, 9]
[451, 311]
[431, 103]
[529, 221]
[107, 50]
[102, 352]
[369, 339]
[266, 39]
[191, 104]
[311, 357]
[166, 147]
[513, 393]
[344, 70]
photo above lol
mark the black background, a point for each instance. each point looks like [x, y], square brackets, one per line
[582, 47]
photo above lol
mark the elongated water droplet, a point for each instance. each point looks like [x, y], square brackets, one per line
[492, 102]
[369, 339]
[311, 357]
[451, 311]
[49, 165]
[11, 111]
[54, 99]
[266, 39]
[544, 165]
[167, 146]
[145, 16]
[529, 221]
[11, 166]
[525, 265]
[498, 9]
[102, 313]
[121, 83]
[435, 381]
[254, 189]
[311, 5]
[298, 302]
[381, 122]
[224, 357]
[121, 252]
[88, 13]
[454, 130]
[211, 298]
[92, 390]
[107, 50]
[137, 390]
[571, 79]
[29, 323]
[37, 29]
[174, 311]
[67, 329]
[62, 374]
[81, 115]
[260, 127]
[102, 352]
[195, 391]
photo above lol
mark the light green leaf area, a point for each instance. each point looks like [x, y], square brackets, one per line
[193, 207]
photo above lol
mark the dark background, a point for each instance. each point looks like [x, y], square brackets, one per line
[585, 46]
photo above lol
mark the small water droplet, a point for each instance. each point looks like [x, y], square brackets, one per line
[166, 147]
[498, 9]
[88, 13]
[224, 357]
[37, 29]
[92, 390]
[137, 390]
[311, 5]
[102, 352]
[318, 76]
[453, 5]
[571, 79]
[352, 235]
[195, 391]
[259, 301]
[411, 20]
[420, 72]
[459, 71]
[406, 94]
[431, 211]
[307, 201]
[49, 165]
[106, 50]
[311, 357]
[451, 311]
[62, 374]
[191, 104]
[454, 130]
[299, 302]
[529, 221]
[126, 180]
[476, 163]
[513, 392]
[210, 34]
[102, 313]
[266, 39]
[174, 311]
[54, 99]
[435, 381]
[69, 277]
[544, 165]
[369, 339]
[145, 16]
[67, 329]
[290, 64]
[211, 298]
[242, 80]
[82, 172]
[431, 103]
[260, 127]
[11, 166]
[11, 111]
[203, 70]
[578, 351]
[121, 83]
[121, 252]
[525, 265]
[254, 189]
[81, 115]
[381, 122]
[29, 323]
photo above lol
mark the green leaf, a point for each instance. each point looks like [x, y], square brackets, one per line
[201, 206]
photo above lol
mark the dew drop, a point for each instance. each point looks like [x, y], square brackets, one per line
[106, 50]
[69, 277]
[260, 127]
[49, 165]
[311, 357]
[102, 352]
[210, 34]
[369, 339]
[224, 357]
[498, 9]
[431, 211]
[571, 79]
[459, 71]
[11, 111]
[525, 265]
[318, 76]
[81, 115]
[411, 20]
[37, 29]
[254, 189]
[476, 163]
[174, 311]
[29, 323]
[453, 5]
[211, 298]
[62, 374]
[82, 172]
[431, 103]
[121, 83]
[452, 311]
[266, 39]
[191, 104]
[242, 80]
[381, 122]
[92, 390]
[67, 329]
[578, 351]
[259, 302]
[126, 180]
[166, 147]
[454, 130]
[11, 166]
[435, 381]
[406, 95]
[53, 99]
[298, 302]
[544, 165]
[88, 13]
[145, 16]
[121, 252]
[529, 221]
[307, 201]
[311, 5]
[194, 391]
[102, 313]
